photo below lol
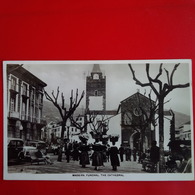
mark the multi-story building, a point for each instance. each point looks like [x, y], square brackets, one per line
[24, 103]
[185, 131]
[53, 130]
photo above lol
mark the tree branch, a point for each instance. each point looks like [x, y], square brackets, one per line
[167, 72]
[152, 80]
[174, 69]
[136, 80]
[172, 87]
[160, 72]
[48, 97]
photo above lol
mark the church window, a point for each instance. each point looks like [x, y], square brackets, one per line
[96, 93]
[127, 118]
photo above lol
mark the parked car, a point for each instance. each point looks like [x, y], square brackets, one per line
[14, 147]
[33, 155]
[39, 145]
[25, 153]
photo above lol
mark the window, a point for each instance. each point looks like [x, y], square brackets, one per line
[127, 118]
[40, 98]
[24, 89]
[36, 113]
[23, 108]
[32, 94]
[37, 97]
[13, 83]
[96, 93]
[12, 104]
[32, 111]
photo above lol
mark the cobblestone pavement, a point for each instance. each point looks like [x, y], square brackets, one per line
[73, 167]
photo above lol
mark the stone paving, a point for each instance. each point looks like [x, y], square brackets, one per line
[73, 167]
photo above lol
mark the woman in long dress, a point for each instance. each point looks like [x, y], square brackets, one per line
[97, 156]
[84, 149]
[114, 156]
[84, 156]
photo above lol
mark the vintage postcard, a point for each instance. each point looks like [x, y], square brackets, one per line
[128, 120]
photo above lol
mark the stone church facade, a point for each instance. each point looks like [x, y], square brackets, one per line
[136, 131]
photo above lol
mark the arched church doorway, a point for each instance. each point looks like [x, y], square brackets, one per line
[135, 141]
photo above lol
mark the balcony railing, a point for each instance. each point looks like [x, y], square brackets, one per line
[13, 114]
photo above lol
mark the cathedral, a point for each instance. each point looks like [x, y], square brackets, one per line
[129, 121]
[137, 122]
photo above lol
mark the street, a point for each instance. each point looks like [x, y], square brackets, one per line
[73, 167]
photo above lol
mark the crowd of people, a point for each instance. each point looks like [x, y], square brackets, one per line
[97, 154]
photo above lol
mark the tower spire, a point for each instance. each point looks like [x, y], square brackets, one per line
[96, 68]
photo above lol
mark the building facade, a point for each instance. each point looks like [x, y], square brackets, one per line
[136, 130]
[53, 131]
[185, 131]
[24, 103]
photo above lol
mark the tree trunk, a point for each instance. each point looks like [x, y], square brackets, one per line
[63, 130]
[161, 134]
[62, 142]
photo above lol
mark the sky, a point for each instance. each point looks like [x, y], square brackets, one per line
[70, 75]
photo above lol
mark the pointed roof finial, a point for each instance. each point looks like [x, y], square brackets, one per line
[96, 68]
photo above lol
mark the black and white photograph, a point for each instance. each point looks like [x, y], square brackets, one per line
[127, 120]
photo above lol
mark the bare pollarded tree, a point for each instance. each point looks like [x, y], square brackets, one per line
[99, 127]
[147, 118]
[65, 112]
[161, 90]
[88, 119]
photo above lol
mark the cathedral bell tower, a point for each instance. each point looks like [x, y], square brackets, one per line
[96, 90]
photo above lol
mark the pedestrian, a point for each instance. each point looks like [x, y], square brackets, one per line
[84, 149]
[121, 152]
[186, 164]
[108, 152]
[60, 153]
[68, 150]
[114, 156]
[134, 154]
[75, 152]
[154, 155]
[142, 156]
[97, 158]
[128, 153]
